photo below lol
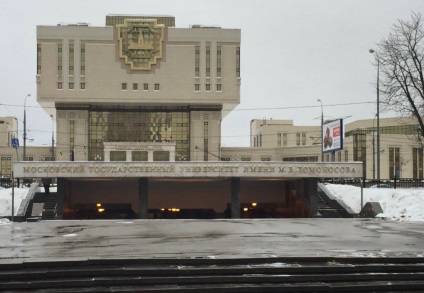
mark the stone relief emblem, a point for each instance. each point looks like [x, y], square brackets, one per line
[140, 43]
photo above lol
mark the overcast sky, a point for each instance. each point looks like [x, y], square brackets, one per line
[292, 53]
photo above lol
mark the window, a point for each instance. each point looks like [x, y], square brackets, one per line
[417, 163]
[135, 86]
[82, 85]
[339, 156]
[160, 156]
[346, 156]
[297, 138]
[278, 139]
[124, 86]
[303, 138]
[38, 58]
[208, 61]
[394, 163]
[245, 159]
[284, 139]
[146, 86]
[327, 158]
[197, 87]
[71, 85]
[197, 62]
[156, 86]
[59, 59]
[208, 87]
[218, 61]
[71, 59]
[82, 59]
[6, 166]
[59, 86]
[267, 159]
[118, 156]
[218, 87]
[238, 62]
[139, 156]
[205, 141]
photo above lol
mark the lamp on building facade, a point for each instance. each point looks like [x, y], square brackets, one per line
[378, 112]
[25, 136]
[322, 125]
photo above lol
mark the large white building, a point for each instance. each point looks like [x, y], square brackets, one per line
[139, 81]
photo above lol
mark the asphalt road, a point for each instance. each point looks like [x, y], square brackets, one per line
[81, 240]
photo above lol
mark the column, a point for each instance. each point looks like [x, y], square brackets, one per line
[149, 156]
[107, 155]
[128, 156]
[143, 198]
[235, 198]
[172, 156]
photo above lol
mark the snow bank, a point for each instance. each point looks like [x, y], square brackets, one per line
[397, 204]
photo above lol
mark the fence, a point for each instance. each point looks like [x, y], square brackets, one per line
[368, 183]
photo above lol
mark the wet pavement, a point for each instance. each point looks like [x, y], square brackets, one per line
[110, 239]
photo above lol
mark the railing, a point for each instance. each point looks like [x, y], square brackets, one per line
[6, 182]
[404, 183]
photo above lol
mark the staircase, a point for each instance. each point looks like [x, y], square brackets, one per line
[50, 204]
[297, 274]
[328, 207]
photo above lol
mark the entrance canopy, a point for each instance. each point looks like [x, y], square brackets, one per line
[93, 169]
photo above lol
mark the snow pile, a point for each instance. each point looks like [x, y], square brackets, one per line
[397, 204]
[6, 200]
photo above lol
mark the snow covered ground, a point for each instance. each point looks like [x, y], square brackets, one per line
[397, 204]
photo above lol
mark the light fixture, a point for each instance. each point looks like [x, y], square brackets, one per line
[101, 210]
[254, 204]
[98, 205]
[245, 209]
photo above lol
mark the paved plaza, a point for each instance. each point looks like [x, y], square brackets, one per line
[108, 239]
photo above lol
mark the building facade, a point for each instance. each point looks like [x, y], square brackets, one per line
[138, 79]
[401, 152]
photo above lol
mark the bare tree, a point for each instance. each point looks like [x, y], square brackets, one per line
[400, 59]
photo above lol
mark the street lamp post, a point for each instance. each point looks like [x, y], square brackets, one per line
[322, 125]
[25, 136]
[378, 112]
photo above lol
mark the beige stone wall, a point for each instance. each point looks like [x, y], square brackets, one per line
[8, 130]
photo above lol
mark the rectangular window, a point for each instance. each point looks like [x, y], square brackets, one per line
[124, 86]
[38, 58]
[218, 87]
[197, 87]
[245, 159]
[82, 59]
[146, 86]
[284, 139]
[156, 86]
[161, 156]
[135, 86]
[71, 59]
[303, 138]
[339, 156]
[59, 86]
[346, 156]
[71, 85]
[208, 61]
[139, 156]
[297, 138]
[118, 156]
[197, 62]
[208, 87]
[417, 163]
[327, 158]
[266, 159]
[6, 166]
[59, 60]
[394, 163]
[218, 61]
[82, 85]
[205, 141]
[238, 62]
[278, 139]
